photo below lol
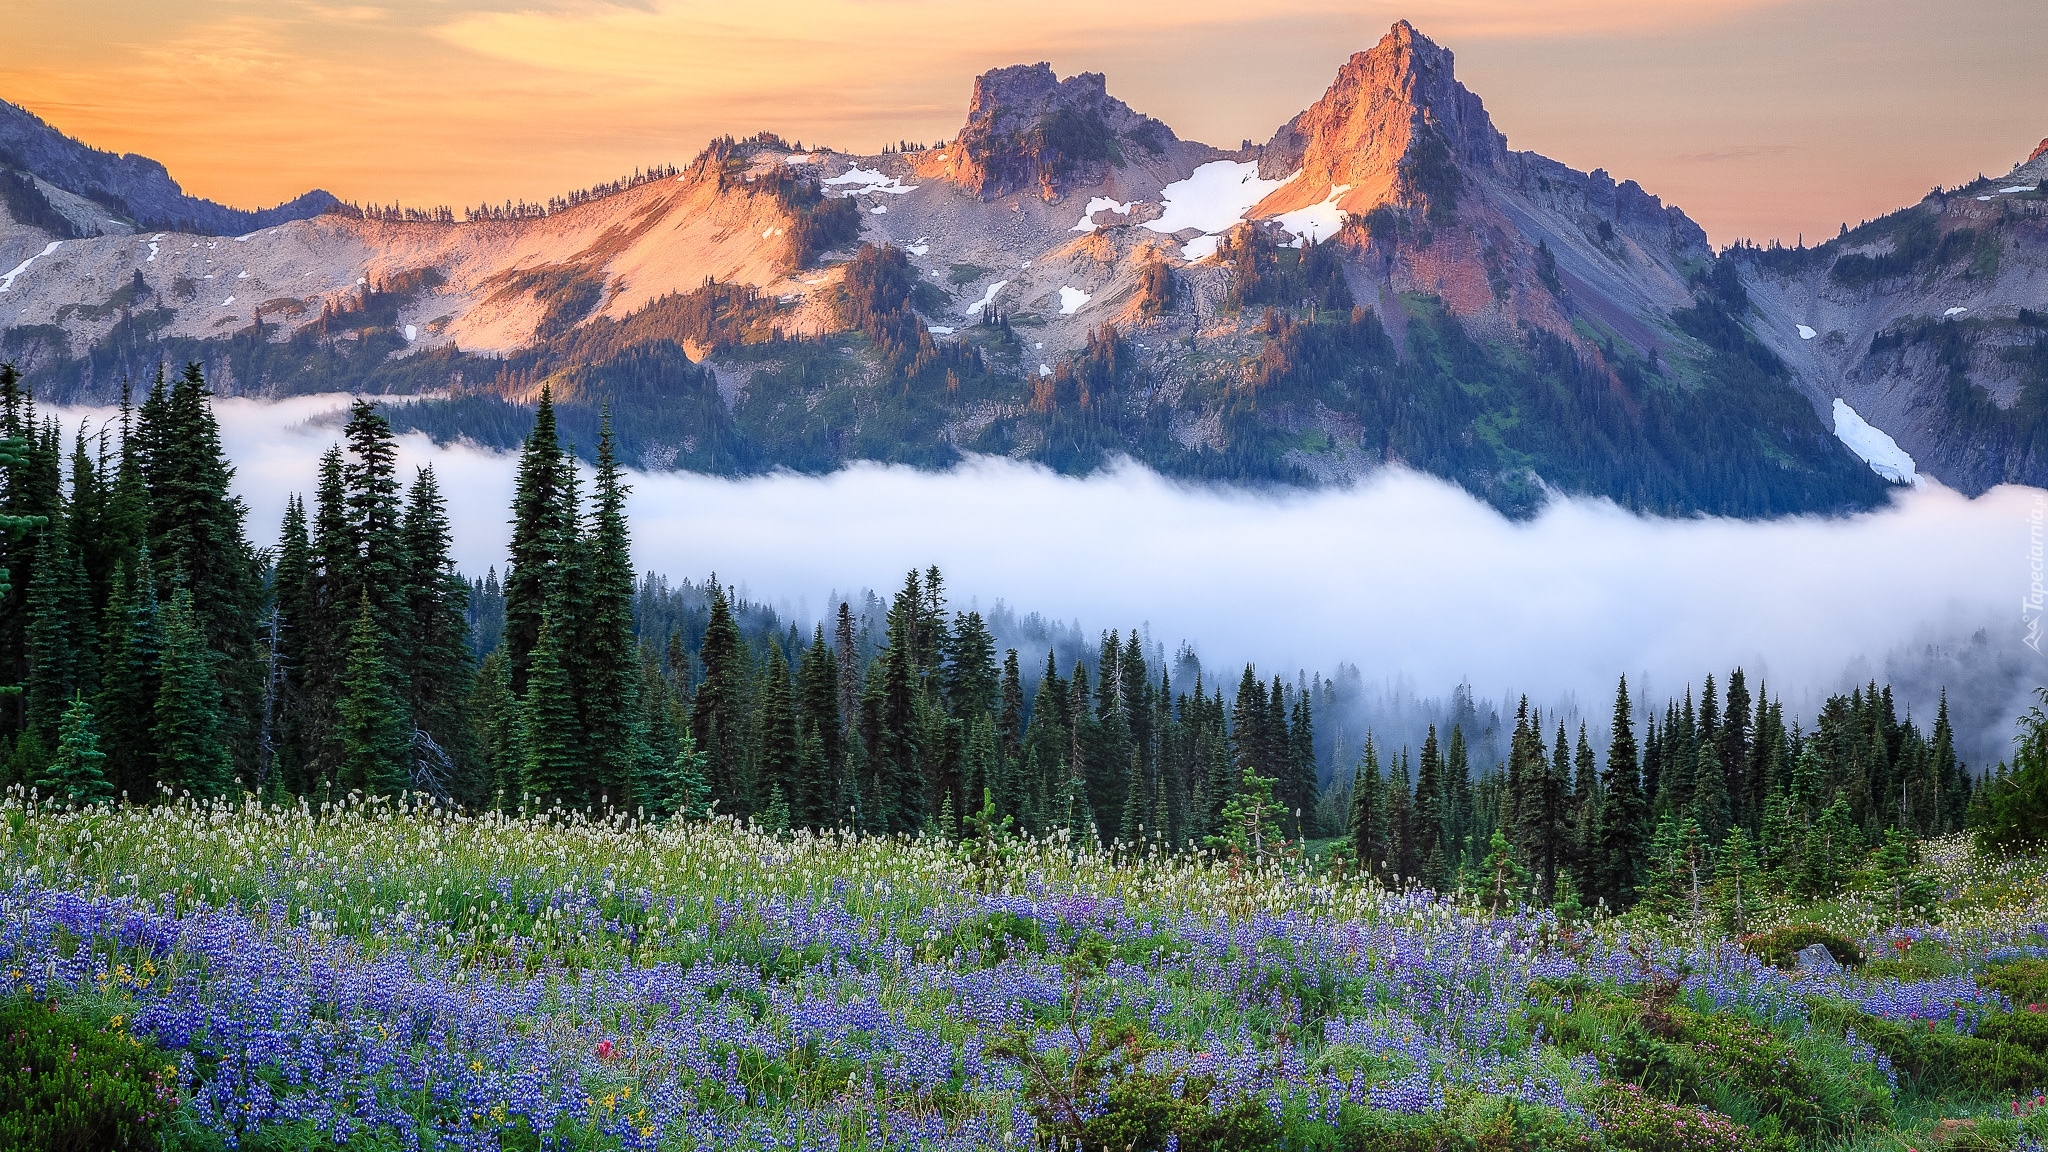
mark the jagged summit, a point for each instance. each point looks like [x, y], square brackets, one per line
[2035, 167]
[1026, 128]
[1390, 105]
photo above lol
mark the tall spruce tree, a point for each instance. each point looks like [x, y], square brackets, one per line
[718, 713]
[132, 680]
[291, 592]
[197, 543]
[191, 755]
[379, 561]
[436, 671]
[1366, 820]
[606, 662]
[1623, 811]
[543, 527]
[376, 735]
[551, 766]
[777, 746]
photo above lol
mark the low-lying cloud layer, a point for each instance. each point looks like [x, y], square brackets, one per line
[1405, 576]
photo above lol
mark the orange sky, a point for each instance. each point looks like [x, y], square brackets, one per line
[1761, 118]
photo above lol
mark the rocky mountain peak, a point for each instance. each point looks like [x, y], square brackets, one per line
[1026, 128]
[2035, 167]
[1398, 102]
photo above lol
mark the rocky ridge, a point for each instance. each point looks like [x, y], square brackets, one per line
[1086, 284]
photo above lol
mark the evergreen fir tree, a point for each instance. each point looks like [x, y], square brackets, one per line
[551, 769]
[816, 782]
[59, 610]
[718, 712]
[436, 671]
[1831, 846]
[606, 666]
[660, 722]
[379, 560]
[1429, 823]
[1736, 751]
[2013, 808]
[326, 612]
[291, 590]
[190, 754]
[197, 541]
[1402, 859]
[896, 761]
[1622, 812]
[543, 525]
[1951, 789]
[1738, 893]
[1251, 823]
[776, 743]
[1505, 879]
[775, 813]
[1456, 802]
[1900, 881]
[75, 774]
[691, 795]
[376, 735]
[1302, 767]
[817, 680]
[494, 716]
[132, 680]
[1365, 822]
[1137, 807]
[1710, 793]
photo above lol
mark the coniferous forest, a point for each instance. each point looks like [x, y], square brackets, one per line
[352, 657]
[892, 884]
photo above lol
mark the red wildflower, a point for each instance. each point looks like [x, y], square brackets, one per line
[604, 1049]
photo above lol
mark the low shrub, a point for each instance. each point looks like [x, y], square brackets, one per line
[1932, 1058]
[2021, 1029]
[1781, 946]
[1635, 1121]
[1720, 1060]
[2023, 982]
[69, 1084]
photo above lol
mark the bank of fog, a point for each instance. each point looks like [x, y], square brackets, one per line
[1403, 598]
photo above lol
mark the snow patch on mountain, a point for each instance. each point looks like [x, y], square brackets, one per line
[1071, 300]
[1317, 222]
[1101, 204]
[1873, 446]
[1805, 332]
[857, 180]
[1214, 199]
[7, 281]
[987, 298]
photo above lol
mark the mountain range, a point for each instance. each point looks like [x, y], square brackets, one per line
[1067, 280]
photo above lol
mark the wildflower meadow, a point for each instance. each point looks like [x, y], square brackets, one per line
[379, 974]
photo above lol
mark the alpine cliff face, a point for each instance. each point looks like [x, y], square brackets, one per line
[1393, 118]
[1027, 130]
[1931, 322]
[1068, 281]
